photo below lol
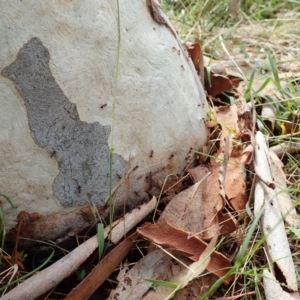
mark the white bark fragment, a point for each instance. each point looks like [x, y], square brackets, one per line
[286, 147]
[272, 225]
[268, 114]
[273, 290]
[287, 207]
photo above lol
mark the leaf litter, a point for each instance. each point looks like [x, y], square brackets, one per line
[217, 198]
[199, 213]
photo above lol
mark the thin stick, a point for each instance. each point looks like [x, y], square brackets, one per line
[53, 275]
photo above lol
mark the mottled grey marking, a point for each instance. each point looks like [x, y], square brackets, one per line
[81, 149]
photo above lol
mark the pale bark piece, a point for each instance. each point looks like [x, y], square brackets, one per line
[272, 225]
[282, 148]
[133, 286]
[268, 115]
[71, 91]
[286, 204]
[173, 275]
[273, 290]
[48, 278]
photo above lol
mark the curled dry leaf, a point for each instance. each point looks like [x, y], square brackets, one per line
[247, 155]
[196, 54]
[185, 276]
[163, 233]
[218, 84]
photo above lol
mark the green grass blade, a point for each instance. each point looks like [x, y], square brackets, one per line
[295, 231]
[241, 257]
[7, 199]
[275, 72]
[115, 93]
[156, 283]
[265, 83]
[249, 85]
[100, 236]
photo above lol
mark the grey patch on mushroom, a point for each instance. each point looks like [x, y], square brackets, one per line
[81, 149]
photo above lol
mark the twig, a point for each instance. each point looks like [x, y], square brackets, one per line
[104, 268]
[53, 275]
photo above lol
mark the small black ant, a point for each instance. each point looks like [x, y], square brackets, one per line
[52, 153]
[78, 189]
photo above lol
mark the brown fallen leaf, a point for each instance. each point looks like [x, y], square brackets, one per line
[196, 54]
[181, 279]
[247, 155]
[231, 147]
[185, 210]
[227, 223]
[214, 221]
[227, 117]
[235, 185]
[172, 185]
[292, 124]
[213, 204]
[165, 234]
[218, 84]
